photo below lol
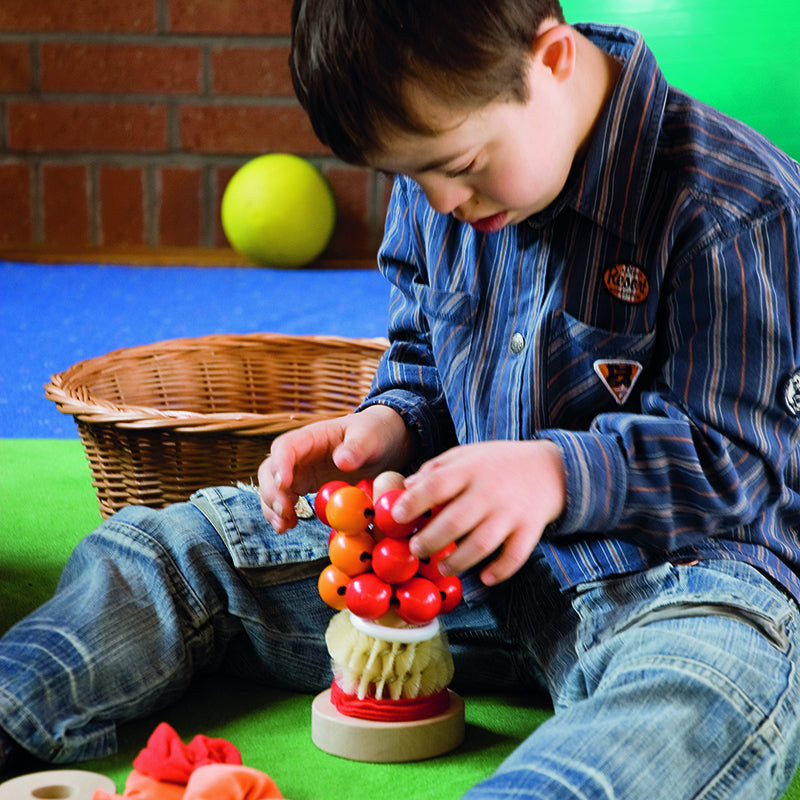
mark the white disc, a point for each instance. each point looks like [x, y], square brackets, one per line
[419, 633]
[57, 784]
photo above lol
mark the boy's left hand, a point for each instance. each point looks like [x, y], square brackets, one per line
[492, 495]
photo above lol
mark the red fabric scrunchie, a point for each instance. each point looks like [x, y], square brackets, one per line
[167, 758]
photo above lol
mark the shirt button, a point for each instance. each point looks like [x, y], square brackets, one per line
[517, 343]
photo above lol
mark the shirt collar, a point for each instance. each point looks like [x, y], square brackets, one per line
[609, 184]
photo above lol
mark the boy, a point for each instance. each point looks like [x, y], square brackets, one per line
[595, 331]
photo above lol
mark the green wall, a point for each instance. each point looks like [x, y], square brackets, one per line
[742, 57]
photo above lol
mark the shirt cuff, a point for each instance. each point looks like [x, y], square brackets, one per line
[597, 481]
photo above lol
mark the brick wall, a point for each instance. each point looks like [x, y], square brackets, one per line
[121, 122]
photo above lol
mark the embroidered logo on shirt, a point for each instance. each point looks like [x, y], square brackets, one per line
[792, 394]
[619, 376]
[627, 283]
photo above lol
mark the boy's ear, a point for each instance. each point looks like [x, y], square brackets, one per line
[555, 48]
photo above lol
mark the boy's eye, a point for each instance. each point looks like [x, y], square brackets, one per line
[455, 173]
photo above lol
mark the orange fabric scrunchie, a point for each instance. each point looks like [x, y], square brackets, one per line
[211, 782]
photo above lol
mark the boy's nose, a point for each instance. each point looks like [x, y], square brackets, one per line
[445, 194]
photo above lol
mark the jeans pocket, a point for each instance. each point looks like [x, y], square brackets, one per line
[262, 556]
[773, 628]
[723, 589]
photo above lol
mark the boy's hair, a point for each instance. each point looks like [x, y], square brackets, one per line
[353, 60]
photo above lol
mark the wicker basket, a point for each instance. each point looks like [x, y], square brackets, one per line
[160, 421]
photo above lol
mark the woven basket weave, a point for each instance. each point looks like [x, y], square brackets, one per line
[160, 421]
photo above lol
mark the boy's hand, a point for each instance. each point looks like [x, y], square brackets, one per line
[350, 447]
[493, 495]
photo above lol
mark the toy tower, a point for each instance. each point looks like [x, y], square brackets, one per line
[390, 699]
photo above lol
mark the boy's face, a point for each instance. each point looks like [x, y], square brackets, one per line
[493, 166]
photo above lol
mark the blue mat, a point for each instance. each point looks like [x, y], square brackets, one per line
[54, 315]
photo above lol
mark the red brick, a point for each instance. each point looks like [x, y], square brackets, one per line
[78, 15]
[251, 71]
[66, 204]
[85, 127]
[121, 205]
[15, 67]
[247, 129]
[128, 69]
[353, 233]
[180, 212]
[249, 17]
[16, 219]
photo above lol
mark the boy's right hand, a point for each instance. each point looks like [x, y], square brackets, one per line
[349, 448]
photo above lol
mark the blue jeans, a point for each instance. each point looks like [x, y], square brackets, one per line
[680, 682]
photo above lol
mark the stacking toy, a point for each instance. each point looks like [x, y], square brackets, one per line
[390, 699]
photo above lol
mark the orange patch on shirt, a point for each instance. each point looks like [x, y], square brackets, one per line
[627, 282]
[618, 376]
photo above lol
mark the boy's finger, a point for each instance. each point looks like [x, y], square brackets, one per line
[476, 546]
[456, 520]
[280, 513]
[425, 490]
[514, 555]
[271, 517]
[306, 445]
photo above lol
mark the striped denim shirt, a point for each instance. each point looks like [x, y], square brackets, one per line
[647, 322]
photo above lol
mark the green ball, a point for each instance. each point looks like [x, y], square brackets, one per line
[278, 211]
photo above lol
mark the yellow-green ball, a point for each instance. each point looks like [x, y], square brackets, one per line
[278, 211]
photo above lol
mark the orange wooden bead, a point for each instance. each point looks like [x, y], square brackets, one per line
[351, 553]
[332, 586]
[349, 510]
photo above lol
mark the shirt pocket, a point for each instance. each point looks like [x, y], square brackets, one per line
[590, 371]
[449, 313]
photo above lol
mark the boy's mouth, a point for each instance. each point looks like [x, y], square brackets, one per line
[490, 224]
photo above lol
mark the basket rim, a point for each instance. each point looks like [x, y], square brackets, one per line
[60, 388]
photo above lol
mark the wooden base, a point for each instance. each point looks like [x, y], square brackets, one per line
[385, 742]
[73, 783]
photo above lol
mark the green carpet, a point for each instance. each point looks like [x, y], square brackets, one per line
[46, 506]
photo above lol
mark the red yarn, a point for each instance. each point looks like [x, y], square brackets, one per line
[388, 710]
